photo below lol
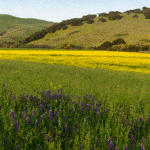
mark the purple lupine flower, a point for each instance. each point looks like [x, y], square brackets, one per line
[12, 115]
[91, 147]
[143, 140]
[132, 121]
[55, 96]
[82, 104]
[48, 107]
[44, 103]
[126, 148]
[97, 140]
[54, 134]
[132, 141]
[47, 138]
[22, 140]
[96, 109]
[140, 119]
[3, 144]
[80, 110]
[87, 107]
[24, 115]
[38, 147]
[41, 118]
[110, 144]
[80, 146]
[50, 115]
[55, 121]
[40, 110]
[18, 147]
[45, 114]
[36, 123]
[130, 132]
[148, 119]
[56, 112]
[142, 147]
[117, 148]
[16, 125]
[42, 133]
[72, 110]
[0, 106]
[28, 121]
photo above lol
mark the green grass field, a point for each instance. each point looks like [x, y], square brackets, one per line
[123, 96]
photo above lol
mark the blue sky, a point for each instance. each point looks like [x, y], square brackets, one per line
[59, 10]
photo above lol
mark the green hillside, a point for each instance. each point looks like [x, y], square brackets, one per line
[13, 29]
[88, 32]
[132, 30]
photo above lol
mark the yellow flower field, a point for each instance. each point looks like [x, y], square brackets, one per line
[126, 61]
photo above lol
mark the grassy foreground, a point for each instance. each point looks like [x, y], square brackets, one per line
[101, 109]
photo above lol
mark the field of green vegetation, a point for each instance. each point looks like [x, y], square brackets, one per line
[55, 106]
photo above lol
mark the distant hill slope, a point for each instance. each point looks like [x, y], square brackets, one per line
[132, 30]
[13, 28]
[87, 32]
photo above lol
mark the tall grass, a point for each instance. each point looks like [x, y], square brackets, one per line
[101, 109]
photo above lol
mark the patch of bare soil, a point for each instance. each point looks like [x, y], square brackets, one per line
[144, 52]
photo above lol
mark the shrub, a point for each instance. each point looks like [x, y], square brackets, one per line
[88, 17]
[145, 48]
[64, 27]
[114, 16]
[76, 22]
[133, 48]
[147, 14]
[119, 47]
[90, 21]
[103, 15]
[144, 9]
[102, 20]
[106, 45]
[70, 46]
[135, 16]
[118, 41]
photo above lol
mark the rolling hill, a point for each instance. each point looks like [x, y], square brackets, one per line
[14, 29]
[90, 31]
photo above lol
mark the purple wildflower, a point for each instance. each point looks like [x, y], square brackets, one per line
[36, 123]
[0, 106]
[40, 110]
[44, 103]
[38, 147]
[132, 141]
[91, 147]
[18, 147]
[41, 118]
[28, 121]
[148, 119]
[16, 125]
[50, 115]
[117, 148]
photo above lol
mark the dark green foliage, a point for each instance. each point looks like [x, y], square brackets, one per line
[133, 48]
[137, 11]
[102, 20]
[114, 16]
[76, 22]
[135, 16]
[118, 41]
[6, 44]
[70, 46]
[37, 46]
[147, 14]
[114, 12]
[144, 9]
[103, 15]
[90, 21]
[64, 27]
[73, 32]
[145, 48]
[88, 17]
[106, 45]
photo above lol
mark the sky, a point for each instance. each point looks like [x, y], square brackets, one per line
[59, 10]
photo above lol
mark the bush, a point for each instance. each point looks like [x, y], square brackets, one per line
[114, 17]
[64, 27]
[144, 9]
[102, 20]
[133, 48]
[88, 17]
[106, 45]
[103, 15]
[147, 14]
[76, 22]
[145, 48]
[118, 41]
[90, 21]
[69, 46]
[135, 16]
[119, 47]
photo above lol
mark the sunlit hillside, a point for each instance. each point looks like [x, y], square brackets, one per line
[13, 29]
[132, 30]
